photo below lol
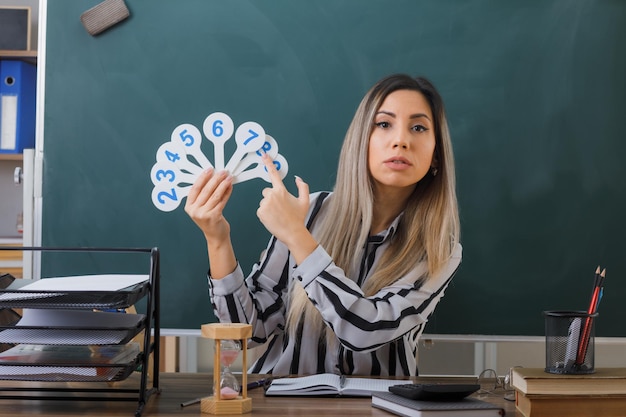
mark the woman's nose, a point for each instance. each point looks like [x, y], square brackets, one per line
[400, 140]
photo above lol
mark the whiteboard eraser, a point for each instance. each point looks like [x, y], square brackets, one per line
[104, 15]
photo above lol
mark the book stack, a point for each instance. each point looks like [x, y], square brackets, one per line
[539, 393]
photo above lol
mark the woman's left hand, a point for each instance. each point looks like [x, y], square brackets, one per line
[283, 214]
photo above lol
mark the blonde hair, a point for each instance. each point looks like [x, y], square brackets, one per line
[429, 227]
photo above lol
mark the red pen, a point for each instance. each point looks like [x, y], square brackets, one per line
[593, 306]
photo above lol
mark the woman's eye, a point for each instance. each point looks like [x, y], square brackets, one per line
[383, 125]
[420, 128]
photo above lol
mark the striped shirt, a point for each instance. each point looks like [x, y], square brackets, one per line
[376, 335]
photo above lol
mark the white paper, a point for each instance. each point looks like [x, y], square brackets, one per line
[73, 283]
[360, 385]
[86, 283]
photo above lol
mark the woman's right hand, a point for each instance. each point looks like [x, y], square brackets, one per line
[205, 204]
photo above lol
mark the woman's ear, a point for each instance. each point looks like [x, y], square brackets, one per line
[434, 165]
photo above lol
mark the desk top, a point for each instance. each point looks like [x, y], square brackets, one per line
[177, 388]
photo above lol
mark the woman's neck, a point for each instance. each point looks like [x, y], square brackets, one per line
[387, 207]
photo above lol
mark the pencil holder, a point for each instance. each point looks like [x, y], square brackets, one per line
[570, 342]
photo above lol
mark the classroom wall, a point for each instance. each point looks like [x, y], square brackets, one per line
[455, 358]
[441, 357]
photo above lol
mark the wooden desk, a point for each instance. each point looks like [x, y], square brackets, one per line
[177, 388]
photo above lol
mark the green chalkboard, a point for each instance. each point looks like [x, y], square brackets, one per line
[536, 101]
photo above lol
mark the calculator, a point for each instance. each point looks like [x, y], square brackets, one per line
[434, 392]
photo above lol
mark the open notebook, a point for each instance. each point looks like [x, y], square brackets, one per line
[330, 384]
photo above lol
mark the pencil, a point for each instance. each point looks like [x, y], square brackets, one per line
[596, 279]
[601, 279]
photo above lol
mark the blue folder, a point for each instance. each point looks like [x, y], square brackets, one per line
[18, 87]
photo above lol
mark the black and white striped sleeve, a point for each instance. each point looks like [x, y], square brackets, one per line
[366, 323]
[260, 299]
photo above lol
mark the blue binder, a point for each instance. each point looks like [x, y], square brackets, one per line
[18, 87]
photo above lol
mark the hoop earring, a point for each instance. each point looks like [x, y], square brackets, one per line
[434, 171]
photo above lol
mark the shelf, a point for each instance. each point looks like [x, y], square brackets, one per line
[30, 56]
[11, 157]
[26, 362]
[17, 54]
[69, 327]
[14, 297]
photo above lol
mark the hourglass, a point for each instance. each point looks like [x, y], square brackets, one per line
[230, 339]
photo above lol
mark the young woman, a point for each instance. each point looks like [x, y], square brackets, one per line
[349, 278]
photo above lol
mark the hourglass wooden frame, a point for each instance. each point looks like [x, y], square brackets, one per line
[215, 404]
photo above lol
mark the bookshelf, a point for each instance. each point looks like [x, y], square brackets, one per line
[8, 163]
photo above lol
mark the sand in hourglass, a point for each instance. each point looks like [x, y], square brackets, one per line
[229, 386]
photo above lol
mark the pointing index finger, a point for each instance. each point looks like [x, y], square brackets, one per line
[275, 178]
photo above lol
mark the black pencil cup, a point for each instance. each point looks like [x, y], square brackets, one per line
[570, 342]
